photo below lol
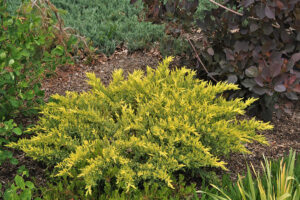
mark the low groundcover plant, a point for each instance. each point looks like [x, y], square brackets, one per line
[142, 129]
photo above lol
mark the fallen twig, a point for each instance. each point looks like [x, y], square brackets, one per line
[200, 61]
[230, 10]
[240, 14]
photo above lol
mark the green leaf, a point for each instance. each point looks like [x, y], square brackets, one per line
[11, 62]
[23, 84]
[21, 169]
[59, 50]
[29, 184]
[17, 131]
[14, 161]
[29, 95]
[25, 53]
[10, 194]
[2, 38]
[7, 154]
[20, 182]
[9, 22]
[26, 194]
[2, 55]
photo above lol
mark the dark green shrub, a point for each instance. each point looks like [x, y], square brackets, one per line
[142, 129]
[258, 50]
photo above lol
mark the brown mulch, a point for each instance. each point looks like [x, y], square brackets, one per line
[74, 78]
[284, 136]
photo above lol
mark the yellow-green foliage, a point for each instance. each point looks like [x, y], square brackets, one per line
[142, 128]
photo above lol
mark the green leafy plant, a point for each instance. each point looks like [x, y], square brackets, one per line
[7, 130]
[140, 130]
[279, 182]
[28, 50]
[20, 189]
[7, 155]
[257, 48]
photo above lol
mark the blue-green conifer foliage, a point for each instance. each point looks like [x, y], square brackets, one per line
[109, 23]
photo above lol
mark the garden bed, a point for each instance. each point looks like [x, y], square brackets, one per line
[66, 75]
[282, 138]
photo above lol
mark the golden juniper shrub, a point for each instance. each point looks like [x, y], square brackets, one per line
[142, 128]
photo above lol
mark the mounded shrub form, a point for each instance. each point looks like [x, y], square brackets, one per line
[142, 129]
